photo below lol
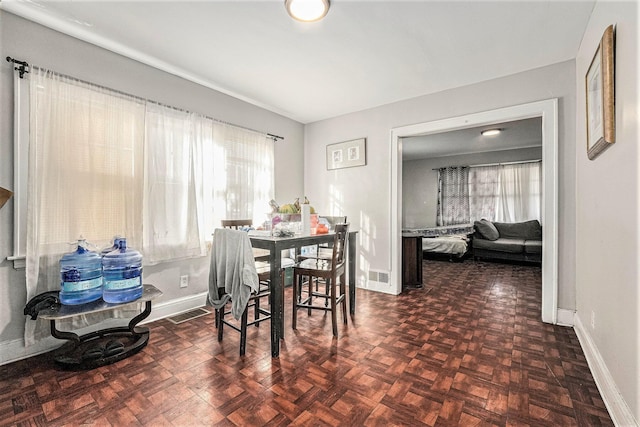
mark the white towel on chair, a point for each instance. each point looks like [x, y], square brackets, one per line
[232, 268]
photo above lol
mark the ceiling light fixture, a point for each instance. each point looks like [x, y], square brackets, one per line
[307, 10]
[491, 132]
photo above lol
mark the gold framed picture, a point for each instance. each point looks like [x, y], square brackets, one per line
[600, 91]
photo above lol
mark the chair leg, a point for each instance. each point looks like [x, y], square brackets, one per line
[220, 316]
[243, 331]
[296, 297]
[343, 292]
[326, 291]
[256, 311]
[334, 318]
[310, 294]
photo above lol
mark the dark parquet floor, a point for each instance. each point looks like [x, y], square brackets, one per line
[468, 349]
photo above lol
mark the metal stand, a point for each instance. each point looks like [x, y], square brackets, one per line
[104, 346]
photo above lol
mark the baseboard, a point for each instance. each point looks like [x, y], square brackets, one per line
[176, 306]
[565, 317]
[383, 287]
[14, 350]
[618, 409]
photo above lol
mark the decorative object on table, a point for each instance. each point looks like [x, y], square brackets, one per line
[5, 195]
[291, 208]
[600, 93]
[306, 219]
[347, 154]
[80, 275]
[288, 221]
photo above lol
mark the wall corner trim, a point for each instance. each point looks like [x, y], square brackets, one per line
[616, 405]
[566, 317]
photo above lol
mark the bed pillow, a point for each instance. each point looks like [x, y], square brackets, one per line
[487, 229]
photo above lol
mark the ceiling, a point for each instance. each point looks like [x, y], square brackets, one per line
[362, 55]
[515, 135]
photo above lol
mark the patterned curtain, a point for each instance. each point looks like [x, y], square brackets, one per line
[453, 195]
[484, 192]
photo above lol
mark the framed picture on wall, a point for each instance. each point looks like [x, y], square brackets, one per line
[347, 154]
[600, 95]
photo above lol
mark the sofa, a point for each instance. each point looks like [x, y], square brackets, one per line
[519, 241]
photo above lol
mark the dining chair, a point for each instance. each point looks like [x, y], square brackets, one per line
[323, 250]
[239, 224]
[234, 281]
[236, 224]
[332, 271]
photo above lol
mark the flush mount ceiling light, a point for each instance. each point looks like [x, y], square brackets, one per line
[307, 10]
[491, 132]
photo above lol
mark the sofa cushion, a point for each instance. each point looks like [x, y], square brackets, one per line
[533, 246]
[486, 229]
[527, 230]
[514, 246]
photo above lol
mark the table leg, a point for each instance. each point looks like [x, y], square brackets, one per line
[352, 273]
[277, 302]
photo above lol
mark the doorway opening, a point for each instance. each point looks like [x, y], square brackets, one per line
[548, 111]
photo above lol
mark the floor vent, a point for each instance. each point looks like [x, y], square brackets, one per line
[188, 315]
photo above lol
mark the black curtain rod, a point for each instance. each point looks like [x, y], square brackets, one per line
[22, 69]
[490, 164]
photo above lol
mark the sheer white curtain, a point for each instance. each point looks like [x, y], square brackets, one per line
[506, 193]
[520, 192]
[103, 164]
[84, 177]
[172, 212]
[243, 174]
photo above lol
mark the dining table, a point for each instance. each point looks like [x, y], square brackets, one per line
[275, 246]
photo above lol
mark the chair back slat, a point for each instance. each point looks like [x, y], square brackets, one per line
[339, 243]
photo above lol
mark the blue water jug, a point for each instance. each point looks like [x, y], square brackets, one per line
[113, 247]
[80, 276]
[122, 274]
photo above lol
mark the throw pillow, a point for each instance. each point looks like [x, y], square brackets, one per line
[487, 229]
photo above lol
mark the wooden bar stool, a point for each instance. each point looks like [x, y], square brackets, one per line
[333, 272]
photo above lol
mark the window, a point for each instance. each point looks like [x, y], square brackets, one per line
[504, 193]
[103, 163]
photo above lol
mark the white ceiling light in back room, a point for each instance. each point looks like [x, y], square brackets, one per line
[307, 10]
[491, 132]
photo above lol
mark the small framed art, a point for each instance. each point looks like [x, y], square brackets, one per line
[347, 154]
[600, 93]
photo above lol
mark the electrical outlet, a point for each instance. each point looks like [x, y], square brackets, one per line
[593, 319]
[184, 281]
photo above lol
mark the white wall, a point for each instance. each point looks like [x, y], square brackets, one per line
[608, 193]
[420, 181]
[363, 193]
[46, 48]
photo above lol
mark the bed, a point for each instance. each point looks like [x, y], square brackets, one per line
[451, 241]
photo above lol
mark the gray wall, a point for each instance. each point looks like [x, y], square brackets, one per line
[608, 196]
[420, 181]
[46, 48]
[363, 193]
